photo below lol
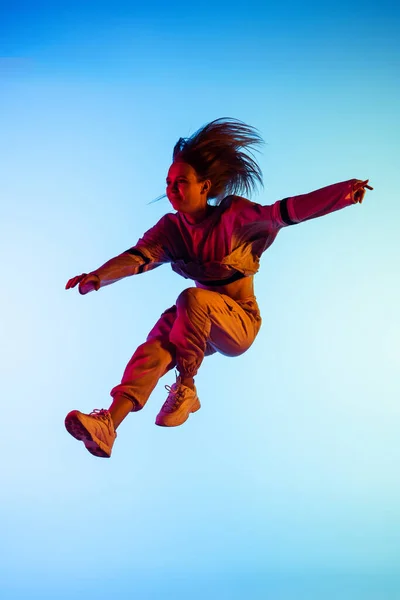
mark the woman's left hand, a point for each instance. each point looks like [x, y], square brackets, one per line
[359, 189]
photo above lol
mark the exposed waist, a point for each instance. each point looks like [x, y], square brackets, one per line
[241, 290]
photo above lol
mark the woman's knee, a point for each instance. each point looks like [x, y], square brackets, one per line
[192, 296]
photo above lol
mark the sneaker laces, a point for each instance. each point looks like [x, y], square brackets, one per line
[104, 415]
[101, 413]
[175, 396]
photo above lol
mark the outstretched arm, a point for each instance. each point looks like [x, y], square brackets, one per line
[297, 209]
[150, 252]
[123, 265]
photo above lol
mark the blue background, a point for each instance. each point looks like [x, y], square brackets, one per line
[286, 484]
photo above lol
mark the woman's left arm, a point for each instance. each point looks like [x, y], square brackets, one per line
[297, 209]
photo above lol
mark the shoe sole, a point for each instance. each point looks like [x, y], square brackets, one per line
[74, 426]
[194, 409]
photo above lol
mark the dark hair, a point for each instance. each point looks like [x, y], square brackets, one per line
[217, 152]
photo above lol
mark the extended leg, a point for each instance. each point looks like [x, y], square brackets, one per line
[151, 361]
[148, 364]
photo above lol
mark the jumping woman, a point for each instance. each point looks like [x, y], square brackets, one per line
[215, 237]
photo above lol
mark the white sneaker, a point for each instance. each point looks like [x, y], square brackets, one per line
[96, 430]
[180, 403]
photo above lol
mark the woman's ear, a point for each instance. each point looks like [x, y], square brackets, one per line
[206, 187]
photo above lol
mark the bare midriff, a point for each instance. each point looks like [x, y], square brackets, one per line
[237, 290]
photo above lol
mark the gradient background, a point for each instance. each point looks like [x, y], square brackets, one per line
[286, 484]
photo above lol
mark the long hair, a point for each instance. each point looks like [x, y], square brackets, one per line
[222, 151]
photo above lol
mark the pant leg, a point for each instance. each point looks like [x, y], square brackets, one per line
[152, 359]
[207, 320]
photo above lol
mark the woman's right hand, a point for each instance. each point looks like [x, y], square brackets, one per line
[87, 283]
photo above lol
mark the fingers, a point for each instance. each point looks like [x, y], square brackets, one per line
[359, 195]
[362, 184]
[74, 281]
[89, 283]
[359, 189]
[365, 184]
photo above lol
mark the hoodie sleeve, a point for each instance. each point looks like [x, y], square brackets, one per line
[150, 252]
[318, 203]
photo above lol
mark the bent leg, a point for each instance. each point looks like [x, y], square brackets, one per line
[208, 321]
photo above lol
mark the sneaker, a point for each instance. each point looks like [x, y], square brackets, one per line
[96, 430]
[180, 403]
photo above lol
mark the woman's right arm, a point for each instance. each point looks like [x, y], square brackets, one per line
[147, 254]
[123, 265]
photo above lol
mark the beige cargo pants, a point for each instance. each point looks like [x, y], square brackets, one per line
[201, 323]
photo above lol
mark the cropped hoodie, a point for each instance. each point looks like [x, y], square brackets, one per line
[228, 243]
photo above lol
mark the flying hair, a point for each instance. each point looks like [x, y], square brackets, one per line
[223, 152]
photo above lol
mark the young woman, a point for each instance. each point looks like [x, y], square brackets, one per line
[218, 245]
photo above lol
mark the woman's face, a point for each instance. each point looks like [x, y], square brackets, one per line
[185, 192]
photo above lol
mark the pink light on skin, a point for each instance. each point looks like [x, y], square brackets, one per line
[186, 193]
